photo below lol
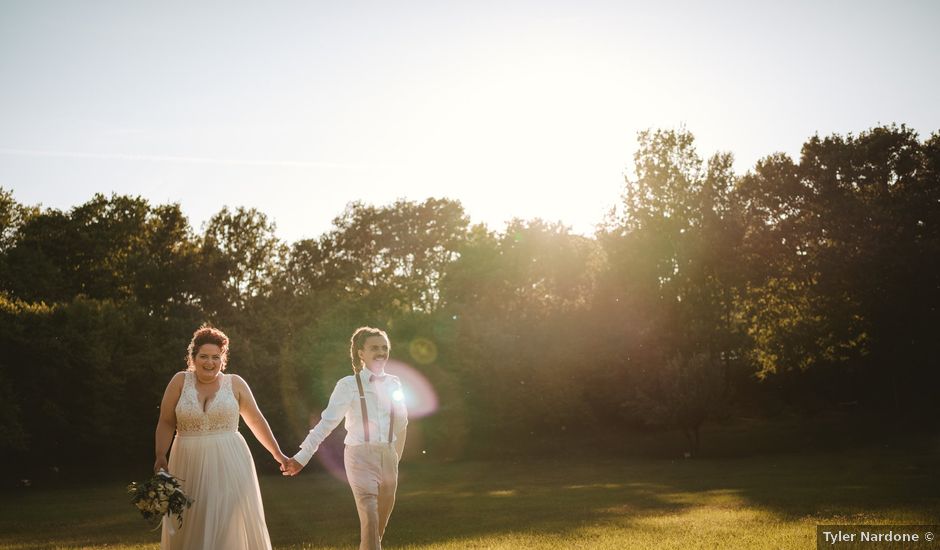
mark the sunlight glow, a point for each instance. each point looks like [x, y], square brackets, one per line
[419, 395]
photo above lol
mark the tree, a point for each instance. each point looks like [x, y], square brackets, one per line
[518, 300]
[673, 280]
[395, 256]
[12, 217]
[239, 258]
[840, 246]
[107, 248]
[681, 394]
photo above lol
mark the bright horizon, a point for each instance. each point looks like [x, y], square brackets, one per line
[527, 110]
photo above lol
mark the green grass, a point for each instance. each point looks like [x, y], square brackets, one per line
[755, 502]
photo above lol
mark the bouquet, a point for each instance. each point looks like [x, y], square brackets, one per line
[159, 496]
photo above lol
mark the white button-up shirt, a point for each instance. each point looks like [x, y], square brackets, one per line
[344, 404]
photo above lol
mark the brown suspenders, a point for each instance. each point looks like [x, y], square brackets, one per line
[365, 412]
[362, 403]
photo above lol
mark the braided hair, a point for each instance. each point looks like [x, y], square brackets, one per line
[358, 342]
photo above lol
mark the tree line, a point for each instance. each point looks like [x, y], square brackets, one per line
[802, 285]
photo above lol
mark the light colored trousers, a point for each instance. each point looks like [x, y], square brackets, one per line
[372, 470]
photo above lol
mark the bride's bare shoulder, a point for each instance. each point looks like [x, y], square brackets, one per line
[237, 381]
[175, 387]
[178, 379]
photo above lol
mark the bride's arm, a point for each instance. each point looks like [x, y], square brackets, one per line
[166, 425]
[255, 420]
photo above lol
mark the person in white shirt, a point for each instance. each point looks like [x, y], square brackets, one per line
[373, 406]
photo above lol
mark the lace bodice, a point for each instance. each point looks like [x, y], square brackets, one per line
[221, 412]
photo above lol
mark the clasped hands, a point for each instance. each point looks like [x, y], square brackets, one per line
[291, 467]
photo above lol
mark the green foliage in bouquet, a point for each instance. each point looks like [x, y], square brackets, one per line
[161, 495]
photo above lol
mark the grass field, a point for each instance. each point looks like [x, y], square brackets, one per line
[757, 502]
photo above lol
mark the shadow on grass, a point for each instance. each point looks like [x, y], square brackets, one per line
[71, 516]
[459, 502]
[440, 503]
[449, 503]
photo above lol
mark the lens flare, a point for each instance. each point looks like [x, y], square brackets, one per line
[418, 393]
[419, 396]
[330, 455]
[422, 350]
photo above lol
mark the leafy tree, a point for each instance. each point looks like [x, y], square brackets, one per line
[837, 247]
[682, 394]
[518, 300]
[394, 255]
[12, 217]
[107, 248]
[239, 259]
[37, 266]
[673, 280]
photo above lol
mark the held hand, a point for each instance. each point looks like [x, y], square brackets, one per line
[160, 464]
[292, 467]
[281, 459]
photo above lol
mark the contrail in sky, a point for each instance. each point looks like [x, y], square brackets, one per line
[167, 158]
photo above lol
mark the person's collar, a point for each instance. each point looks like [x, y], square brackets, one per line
[366, 373]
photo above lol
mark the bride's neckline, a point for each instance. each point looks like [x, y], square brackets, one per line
[204, 404]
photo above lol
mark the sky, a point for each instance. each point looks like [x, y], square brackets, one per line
[516, 108]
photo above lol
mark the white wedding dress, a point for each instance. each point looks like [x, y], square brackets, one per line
[214, 466]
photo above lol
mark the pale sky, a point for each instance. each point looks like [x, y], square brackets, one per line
[518, 109]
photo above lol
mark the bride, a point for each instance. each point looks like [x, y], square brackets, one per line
[209, 456]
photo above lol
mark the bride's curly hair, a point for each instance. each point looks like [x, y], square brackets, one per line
[206, 334]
